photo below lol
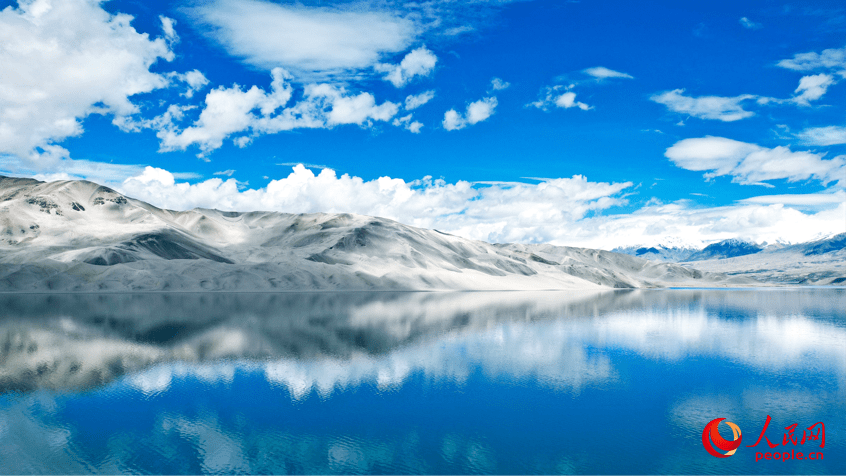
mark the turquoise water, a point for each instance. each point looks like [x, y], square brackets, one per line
[456, 383]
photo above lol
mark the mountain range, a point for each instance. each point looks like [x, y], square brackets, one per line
[80, 236]
[821, 261]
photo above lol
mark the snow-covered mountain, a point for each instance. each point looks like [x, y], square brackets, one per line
[820, 261]
[676, 254]
[817, 262]
[660, 253]
[80, 236]
[725, 249]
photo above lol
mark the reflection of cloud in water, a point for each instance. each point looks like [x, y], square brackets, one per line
[218, 451]
[329, 340]
[541, 351]
[555, 353]
[158, 379]
[34, 441]
[323, 344]
[768, 342]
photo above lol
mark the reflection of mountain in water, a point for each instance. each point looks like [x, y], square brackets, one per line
[320, 340]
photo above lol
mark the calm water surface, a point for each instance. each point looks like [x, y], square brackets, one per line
[615, 382]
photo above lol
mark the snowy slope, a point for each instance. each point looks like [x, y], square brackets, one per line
[79, 236]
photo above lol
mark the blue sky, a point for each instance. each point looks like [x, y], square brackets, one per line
[588, 123]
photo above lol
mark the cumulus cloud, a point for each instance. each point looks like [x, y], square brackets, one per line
[601, 72]
[564, 97]
[552, 96]
[309, 41]
[416, 100]
[462, 206]
[833, 59]
[822, 136]
[566, 211]
[419, 62]
[751, 164]
[69, 59]
[244, 114]
[568, 100]
[476, 112]
[812, 88]
[498, 84]
[727, 109]
[749, 24]
[194, 80]
[406, 123]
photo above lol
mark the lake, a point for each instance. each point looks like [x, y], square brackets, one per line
[457, 383]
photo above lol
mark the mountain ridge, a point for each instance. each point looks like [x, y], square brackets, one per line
[79, 236]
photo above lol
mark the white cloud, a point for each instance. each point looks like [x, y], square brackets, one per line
[568, 100]
[554, 210]
[453, 120]
[812, 88]
[727, 109]
[480, 110]
[830, 135]
[68, 169]
[601, 72]
[751, 164]
[419, 62]
[831, 59]
[802, 199]
[415, 101]
[458, 30]
[195, 80]
[709, 153]
[552, 96]
[564, 97]
[227, 111]
[69, 59]
[227, 173]
[749, 24]
[169, 28]
[498, 84]
[408, 124]
[309, 41]
[477, 111]
[248, 113]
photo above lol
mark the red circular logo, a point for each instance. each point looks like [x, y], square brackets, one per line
[711, 438]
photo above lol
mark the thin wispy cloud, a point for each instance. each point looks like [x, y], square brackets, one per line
[749, 24]
[823, 136]
[601, 72]
[498, 84]
[726, 109]
[830, 59]
[416, 100]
